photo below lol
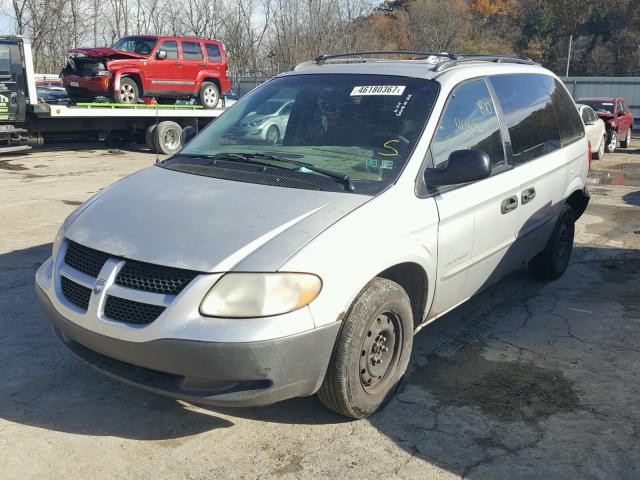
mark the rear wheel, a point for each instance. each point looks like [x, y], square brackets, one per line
[209, 95]
[626, 143]
[613, 141]
[598, 154]
[372, 351]
[128, 93]
[167, 137]
[552, 262]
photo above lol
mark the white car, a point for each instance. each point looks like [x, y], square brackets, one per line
[267, 123]
[242, 272]
[596, 130]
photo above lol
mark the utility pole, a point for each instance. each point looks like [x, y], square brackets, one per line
[569, 54]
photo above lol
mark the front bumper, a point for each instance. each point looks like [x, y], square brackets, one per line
[75, 84]
[214, 373]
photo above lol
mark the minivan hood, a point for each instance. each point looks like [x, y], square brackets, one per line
[109, 53]
[205, 224]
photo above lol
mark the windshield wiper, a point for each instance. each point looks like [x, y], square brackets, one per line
[225, 156]
[344, 179]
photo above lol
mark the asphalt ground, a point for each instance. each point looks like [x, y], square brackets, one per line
[527, 380]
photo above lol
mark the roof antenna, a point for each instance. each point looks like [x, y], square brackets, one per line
[155, 133]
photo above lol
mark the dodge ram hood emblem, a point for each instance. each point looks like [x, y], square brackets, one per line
[99, 286]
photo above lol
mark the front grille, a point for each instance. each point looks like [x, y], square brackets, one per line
[154, 278]
[75, 293]
[85, 259]
[128, 311]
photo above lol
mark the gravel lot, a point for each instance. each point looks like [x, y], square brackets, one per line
[528, 380]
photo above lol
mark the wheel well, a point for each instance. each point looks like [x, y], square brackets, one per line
[136, 78]
[413, 279]
[212, 80]
[578, 200]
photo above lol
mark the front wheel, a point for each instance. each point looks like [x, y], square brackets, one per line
[372, 351]
[613, 141]
[128, 93]
[552, 262]
[273, 135]
[626, 143]
[209, 95]
[598, 154]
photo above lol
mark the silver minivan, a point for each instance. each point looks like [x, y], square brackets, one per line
[246, 270]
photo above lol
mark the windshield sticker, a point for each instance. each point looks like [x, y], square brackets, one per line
[402, 104]
[391, 151]
[387, 164]
[378, 90]
[371, 162]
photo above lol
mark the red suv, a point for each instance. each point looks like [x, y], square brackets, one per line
[164, 67]
[617, 118]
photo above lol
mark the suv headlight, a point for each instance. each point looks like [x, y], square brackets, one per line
[248, 295]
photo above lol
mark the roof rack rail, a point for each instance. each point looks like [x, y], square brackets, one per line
[360, 56]
[462, 58]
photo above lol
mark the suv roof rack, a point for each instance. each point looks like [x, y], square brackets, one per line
[462, 58]
[361, 56]
[449, 60]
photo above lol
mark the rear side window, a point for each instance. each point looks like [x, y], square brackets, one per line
[571, 128]
[171, 47]
[213, 52]
[529, 114]
[469, 122]
[191, 51]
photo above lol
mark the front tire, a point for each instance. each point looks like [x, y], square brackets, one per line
[613, 141]
[626, 143]
[128, 93]
[209, 95]
[372, 351]
[273, 135]
[552, 262]
[599, 154]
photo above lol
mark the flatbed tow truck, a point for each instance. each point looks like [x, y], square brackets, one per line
[24, 121]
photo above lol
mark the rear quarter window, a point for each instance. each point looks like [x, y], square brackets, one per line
[213, 52]
[529, 113]
[571, 128]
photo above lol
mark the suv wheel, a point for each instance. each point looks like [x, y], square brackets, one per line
[209, 95]
[611, 146]
[371, 352]
[128, 92]
[551, 263]
[598, 154]
[626, 143]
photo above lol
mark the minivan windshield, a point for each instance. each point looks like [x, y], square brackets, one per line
[358, 128]
[141, 45]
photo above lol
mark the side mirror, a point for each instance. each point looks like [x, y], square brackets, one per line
[161, 55]
[463, 166]
[187, 134]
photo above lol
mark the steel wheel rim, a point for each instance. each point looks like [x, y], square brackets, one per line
[126, 93]
[171, 139]
[380, 352]
[210, 96]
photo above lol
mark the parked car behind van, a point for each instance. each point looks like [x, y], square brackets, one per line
[595, 129]
[617, 117]
[166, 67]
[243, 272]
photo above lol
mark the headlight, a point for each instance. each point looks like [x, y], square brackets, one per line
[247, 295]
[57, 241]
[257, 123]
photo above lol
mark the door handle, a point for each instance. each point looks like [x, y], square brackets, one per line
[178, 63]
[202, 64]
[528, 195]
[509, 204]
